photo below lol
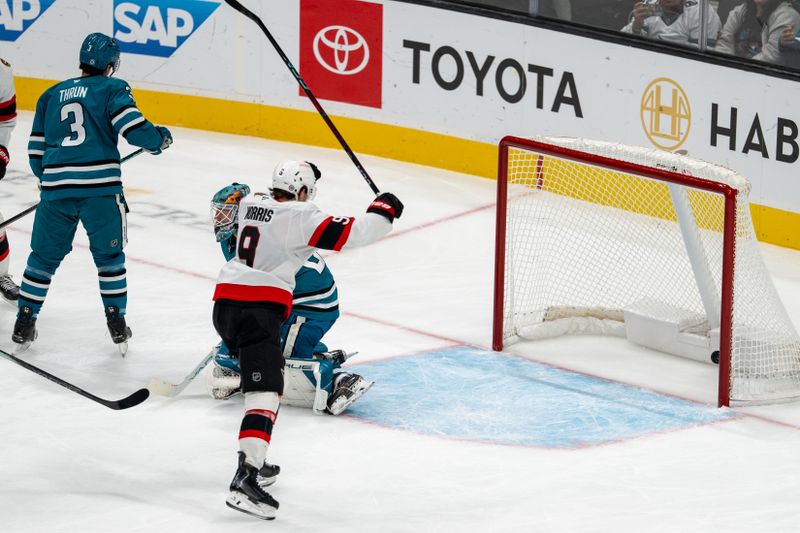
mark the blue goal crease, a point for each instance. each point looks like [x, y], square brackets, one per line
[476, 395]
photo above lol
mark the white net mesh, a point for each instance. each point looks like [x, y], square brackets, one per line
[585, 243]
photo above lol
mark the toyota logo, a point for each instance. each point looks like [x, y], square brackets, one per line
[345, 44]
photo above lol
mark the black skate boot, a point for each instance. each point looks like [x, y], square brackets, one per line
[9, 290]
[347, 389]
[119, 330]
[268, 474]
[24, 329]
[247, 495]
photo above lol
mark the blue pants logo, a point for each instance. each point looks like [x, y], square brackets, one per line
[158, 27]
[16, 16]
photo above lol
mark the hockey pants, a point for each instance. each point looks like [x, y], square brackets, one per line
[104, 219]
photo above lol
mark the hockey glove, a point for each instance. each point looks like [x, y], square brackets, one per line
[388, 205]
[166, 140]
[5, 159]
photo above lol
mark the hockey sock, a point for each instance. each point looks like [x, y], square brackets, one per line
[33, 289]
[113, 287]
[255, 433]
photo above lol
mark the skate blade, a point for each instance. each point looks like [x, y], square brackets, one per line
[123, 348]
[340, 406]
[19, 348]
[243, 504]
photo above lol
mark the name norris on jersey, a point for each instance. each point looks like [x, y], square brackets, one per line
[258, 213]
[73, 92]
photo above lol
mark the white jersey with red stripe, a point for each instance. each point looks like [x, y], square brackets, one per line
[8, 103]
[276, 238]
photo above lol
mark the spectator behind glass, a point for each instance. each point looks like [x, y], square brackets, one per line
[726, 6]
[676, 21]
[790, 47]
[753, 29]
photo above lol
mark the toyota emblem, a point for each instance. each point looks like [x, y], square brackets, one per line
[344, 42]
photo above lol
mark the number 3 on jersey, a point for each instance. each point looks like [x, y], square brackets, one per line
[248, 244]
[73, 112]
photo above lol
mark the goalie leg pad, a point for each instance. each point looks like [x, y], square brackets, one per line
[222, 382]
[307, 383]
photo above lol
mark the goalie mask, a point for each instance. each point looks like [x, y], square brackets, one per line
[225, 208]
[291, 176]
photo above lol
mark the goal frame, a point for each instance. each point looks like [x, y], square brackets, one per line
[728, 193]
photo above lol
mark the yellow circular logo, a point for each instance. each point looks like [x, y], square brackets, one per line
[666, 114]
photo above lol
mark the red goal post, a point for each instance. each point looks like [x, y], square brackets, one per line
[601, 238]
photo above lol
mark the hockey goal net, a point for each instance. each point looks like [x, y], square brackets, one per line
[601, 238]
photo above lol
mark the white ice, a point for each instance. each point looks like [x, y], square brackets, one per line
[70, 465]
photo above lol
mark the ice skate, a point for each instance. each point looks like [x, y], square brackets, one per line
[247, 495]
[268, 475]
[119, 330]
[9, 290]
[347, 389]
[24, 329]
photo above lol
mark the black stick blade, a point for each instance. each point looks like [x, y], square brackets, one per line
[131, 401]
[134, 399]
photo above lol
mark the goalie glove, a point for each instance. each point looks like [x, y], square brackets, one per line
[387, 205]
[5, 159]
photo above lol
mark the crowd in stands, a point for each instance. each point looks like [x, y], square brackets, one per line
[760, 30]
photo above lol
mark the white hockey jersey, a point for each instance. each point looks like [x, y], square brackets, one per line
[276, 238]
[685, 28]
[8, 103]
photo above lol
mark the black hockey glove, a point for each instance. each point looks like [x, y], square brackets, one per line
[388, 205]
[166, 140]
[5, 159]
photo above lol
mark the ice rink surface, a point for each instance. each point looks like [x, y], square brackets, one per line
[573, 434]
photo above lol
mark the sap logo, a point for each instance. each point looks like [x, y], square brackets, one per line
[16, 16]
[158, 27]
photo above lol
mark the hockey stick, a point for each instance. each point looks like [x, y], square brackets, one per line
[161, 387]
[130, 401]
[34, 206]
[249, 14]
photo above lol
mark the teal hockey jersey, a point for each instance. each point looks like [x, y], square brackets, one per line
[73, 143]
[315, 294]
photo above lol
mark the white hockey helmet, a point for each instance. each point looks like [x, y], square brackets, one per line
[291, 176]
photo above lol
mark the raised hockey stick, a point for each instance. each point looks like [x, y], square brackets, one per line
[129, 401]
[34, 206]
[163, 388]
[249, 14]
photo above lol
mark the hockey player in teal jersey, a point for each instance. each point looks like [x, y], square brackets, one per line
[315, 308]
[73, 151]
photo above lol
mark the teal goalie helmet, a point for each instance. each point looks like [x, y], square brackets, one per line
[225, 208]
[99, 50]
